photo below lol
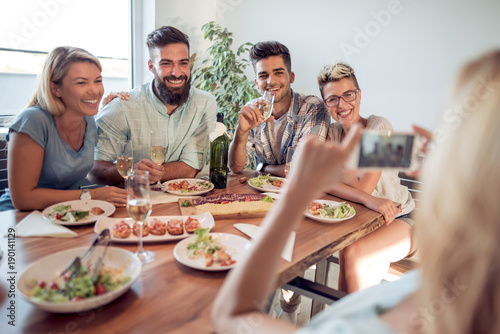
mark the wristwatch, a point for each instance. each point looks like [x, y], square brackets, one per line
[85, 196]
[260, 167]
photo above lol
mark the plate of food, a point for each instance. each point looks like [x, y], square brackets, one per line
[267, 183]
[187, 187]
[211, 251]
[78, 212]
[330, 211]
[155, 229]
[41, 285]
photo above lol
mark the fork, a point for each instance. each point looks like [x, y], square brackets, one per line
[98, 263]
[75, 266]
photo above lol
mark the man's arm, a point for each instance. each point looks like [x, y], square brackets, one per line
[277, 170]
[178, 170]
[104, 172]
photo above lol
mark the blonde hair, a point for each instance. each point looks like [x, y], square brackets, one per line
[335, 72]
[53, 70]
[459, 220]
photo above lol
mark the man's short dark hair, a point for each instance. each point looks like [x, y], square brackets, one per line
[164, 36]
[263, 50]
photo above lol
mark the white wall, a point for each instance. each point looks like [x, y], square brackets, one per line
[405, 53]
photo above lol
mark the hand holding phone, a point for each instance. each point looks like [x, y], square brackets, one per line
[387, 150]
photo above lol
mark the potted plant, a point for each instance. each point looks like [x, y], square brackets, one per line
[223, 74]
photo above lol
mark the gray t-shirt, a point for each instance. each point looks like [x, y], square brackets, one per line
[63, 168]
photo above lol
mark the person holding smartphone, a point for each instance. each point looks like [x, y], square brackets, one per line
[366, 261]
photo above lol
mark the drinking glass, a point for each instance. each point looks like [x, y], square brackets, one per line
[124, 157]
[158, 149]
[139, 207]
[289, 157]
[266, 109]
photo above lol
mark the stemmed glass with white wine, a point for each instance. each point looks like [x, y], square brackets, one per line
[124, 157]
[158, 149]
[266, 109]
[139, 207]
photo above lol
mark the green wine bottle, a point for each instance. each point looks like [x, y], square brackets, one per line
[219, 148]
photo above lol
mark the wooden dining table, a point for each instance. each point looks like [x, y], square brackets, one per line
[168, 297]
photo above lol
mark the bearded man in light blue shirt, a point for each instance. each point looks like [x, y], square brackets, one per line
[167, 103]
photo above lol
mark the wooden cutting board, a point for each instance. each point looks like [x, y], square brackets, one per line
[191, 210]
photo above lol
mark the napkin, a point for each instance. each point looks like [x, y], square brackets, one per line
[163, 197]
[253, 230]
[35, 225]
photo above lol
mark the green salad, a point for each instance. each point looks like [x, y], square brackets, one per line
[199, 186]
[204, 243]
[80, 287]
[344, 210]
[261, 180]
[63, 212]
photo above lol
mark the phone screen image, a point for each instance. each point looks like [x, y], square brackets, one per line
[388, 150]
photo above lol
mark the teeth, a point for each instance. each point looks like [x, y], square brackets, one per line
[344, 113]
[90, 101]
[175, 81]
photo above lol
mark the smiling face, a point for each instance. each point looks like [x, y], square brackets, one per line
[80, 89]
[345, 113]
[273, 76]
[171, 68]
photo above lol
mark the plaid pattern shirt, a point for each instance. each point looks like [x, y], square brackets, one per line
[306, 116]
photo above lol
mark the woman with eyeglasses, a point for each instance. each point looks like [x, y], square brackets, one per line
[366, 261]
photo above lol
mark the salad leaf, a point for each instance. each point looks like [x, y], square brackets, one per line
[268, 199]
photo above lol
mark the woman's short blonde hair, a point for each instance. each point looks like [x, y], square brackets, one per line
[335, 72]
[53, 70]
[459, 219]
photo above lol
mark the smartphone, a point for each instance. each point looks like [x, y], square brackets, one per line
[386, 150]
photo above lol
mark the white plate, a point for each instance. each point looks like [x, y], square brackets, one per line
[50, 267]
[206, 221]
[268, 187]
[236, 246]
[324, 219]
[191, 183]
[82, 205]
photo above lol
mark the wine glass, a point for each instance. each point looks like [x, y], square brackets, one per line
[158, 149]
[266, 109]
[288, 161]
[139, 207]
[124, 157]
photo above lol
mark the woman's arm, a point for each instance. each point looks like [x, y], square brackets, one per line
[25, 160]
[381, 205]
[247, 286]
[365, 182]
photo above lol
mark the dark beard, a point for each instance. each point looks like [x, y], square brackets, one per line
[173, 97]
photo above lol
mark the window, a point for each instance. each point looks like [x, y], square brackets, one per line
[31, 28]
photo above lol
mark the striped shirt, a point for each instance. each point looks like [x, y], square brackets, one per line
[187, 128]
[306, 116]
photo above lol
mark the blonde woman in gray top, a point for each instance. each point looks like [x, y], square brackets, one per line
[365, 262]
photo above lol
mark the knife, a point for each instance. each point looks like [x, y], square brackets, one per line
[253, 231]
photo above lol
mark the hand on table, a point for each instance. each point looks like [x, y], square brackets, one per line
[384, 206]
[113, 195]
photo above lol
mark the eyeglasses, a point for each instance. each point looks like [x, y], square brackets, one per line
[348, 96]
